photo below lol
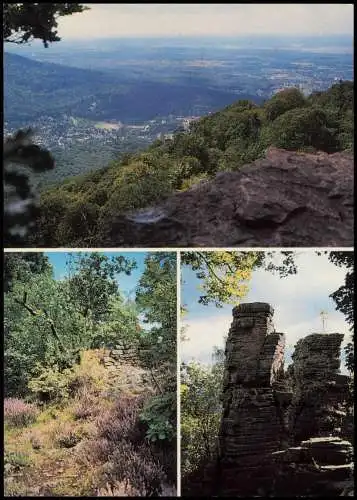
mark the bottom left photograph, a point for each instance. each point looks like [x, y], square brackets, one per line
[90, 374]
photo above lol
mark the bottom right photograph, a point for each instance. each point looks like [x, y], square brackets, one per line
[267, 367]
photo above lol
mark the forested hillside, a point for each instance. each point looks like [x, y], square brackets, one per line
[34, 89]
[80, 211]
[90, 395]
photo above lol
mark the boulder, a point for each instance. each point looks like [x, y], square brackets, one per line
[287, 199]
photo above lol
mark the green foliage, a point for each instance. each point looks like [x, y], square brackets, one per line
[92, 281]
[282, 102]
[24, 22]
[20, 267]
[200, 413]
[302, 128]
[344, 298]
[50, 384]
[339, 97]
[159, 415]
[48, 321]
[82, 210]
[14, 461]
[156, 298]
[193, 180]
[122, 324]
[225, 275]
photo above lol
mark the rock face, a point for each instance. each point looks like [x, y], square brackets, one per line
[280, 431]
[319, 391]
[251, 427]
[286, 199]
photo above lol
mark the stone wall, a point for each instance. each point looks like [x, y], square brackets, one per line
[121, 352]
[280, 431]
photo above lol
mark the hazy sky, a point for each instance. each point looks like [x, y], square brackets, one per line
[297, 301]
[122, 20]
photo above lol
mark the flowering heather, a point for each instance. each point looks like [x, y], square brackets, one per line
[17, 413]
[121, 421]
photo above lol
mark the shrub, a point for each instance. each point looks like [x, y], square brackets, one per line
[89, 376]
[301, 128]
[284, 101]
[136, 466]
[193, 180]
[67, 437]
[84, 409]
[17, 413]
[14, 461]
[51, 384]
[36, 439]
[97, 450]
[121, 421]
[160, 416]
[117, 489]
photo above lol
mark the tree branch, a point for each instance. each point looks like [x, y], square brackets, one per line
[41, 312]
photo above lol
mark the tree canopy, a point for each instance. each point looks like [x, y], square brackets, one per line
[156, 299]
[24, 22]
[225, 278]
[225, 275]
[48, 321]
[222, 141]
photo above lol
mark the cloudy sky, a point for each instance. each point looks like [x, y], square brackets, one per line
[297, 301]
[126, 20]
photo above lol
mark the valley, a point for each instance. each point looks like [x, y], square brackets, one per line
[147, 90]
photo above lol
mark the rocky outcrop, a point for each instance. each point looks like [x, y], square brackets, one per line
[251, 425]
[286, 199]
[280, 430]
[318, 467]
[320, 391]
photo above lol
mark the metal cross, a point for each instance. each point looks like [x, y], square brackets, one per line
[323, 315]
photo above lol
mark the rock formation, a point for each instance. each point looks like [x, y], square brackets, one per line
[251, 428]
[287, 199]
[281, 431]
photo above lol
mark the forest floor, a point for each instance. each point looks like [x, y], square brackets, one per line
[57, 454]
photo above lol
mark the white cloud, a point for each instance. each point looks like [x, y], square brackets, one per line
[204, 334]
[297, 300]
[115, 20]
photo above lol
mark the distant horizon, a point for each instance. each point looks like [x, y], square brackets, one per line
[198, 36]
[246, 19]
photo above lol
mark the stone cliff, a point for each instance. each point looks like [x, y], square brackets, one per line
[281, 431]
[287, 199]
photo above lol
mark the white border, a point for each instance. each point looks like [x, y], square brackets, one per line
[178, 295]
[178, 350]
[183, 249]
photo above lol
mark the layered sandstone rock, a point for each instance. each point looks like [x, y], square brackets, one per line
[280, 435]
[286, 199]
[319, 389]
[251, 427]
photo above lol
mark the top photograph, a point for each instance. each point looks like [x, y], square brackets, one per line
[178, 125]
